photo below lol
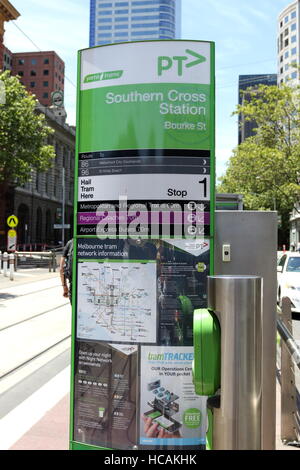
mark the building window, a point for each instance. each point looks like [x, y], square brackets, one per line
[293, 27]
[146, 2]
[104, 28]
[46, 72]
[293, 14]
[121, 26]
[121, 12]
[104, 35]
[46, 95]
[144, 10]
[121, 35]
[294, 38]
[45, 83]
[33, 73]
[286, 19]
[143, 18]
[21, 74]
[286, 43]
[293, 75]
[294, 51]
[144, 33]
[32, 84]
[122, 4]
[145, 25]
[21, 61]
[46, 61]
[33, 61]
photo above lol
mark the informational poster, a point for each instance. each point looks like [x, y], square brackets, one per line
[144, 225]
[105, 397]
[171, 413]
[117, 301]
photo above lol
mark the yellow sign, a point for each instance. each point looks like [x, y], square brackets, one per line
[12, 221]
[12, 233]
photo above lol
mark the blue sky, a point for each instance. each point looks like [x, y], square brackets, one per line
[245, 34]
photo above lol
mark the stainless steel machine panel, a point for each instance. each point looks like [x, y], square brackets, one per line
[246, 244]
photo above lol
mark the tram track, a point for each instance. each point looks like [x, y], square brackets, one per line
[32, 358]
[32, 317]
[38, 291]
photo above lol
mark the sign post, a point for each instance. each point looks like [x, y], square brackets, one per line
[143, 245]
[12, 222]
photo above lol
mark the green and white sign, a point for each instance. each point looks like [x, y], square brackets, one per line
[144, 225]
[160, 96]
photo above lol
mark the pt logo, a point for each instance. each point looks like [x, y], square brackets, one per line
[166, 63]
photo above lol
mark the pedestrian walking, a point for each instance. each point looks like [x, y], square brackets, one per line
[65, 269]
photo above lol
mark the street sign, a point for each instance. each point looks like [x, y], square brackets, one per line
[11, 240]
[12, 221]
[60, 226]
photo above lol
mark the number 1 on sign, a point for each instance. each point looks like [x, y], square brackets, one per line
[204, 182]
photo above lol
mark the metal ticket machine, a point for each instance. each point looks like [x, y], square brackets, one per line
[234, 339]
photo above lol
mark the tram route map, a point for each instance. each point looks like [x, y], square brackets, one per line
[117, 301]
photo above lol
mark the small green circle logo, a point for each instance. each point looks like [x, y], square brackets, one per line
[192, 418]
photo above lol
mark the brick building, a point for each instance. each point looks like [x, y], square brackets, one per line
[7, 13]
[41, 73]
[39, 203]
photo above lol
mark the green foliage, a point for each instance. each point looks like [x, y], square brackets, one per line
[265, 168]
[23, 134]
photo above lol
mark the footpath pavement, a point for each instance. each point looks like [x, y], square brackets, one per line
[25, 276]
[49, 430]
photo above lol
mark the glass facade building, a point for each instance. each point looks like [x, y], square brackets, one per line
[134, 20]
[289, 44]
[246, 128]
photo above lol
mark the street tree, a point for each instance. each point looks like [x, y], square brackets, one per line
[23, 139]
[265, 168]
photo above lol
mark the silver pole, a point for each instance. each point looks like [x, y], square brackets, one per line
[237, 302]
[5, 263]
[11, 266]
[63, 208]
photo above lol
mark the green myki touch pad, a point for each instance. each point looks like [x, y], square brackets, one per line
[207, 348]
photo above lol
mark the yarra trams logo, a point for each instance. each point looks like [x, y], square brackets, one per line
[180, 62]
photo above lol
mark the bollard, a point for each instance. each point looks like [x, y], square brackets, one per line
[5, 262]
[0, 262]
[11, 266]
[237, 302]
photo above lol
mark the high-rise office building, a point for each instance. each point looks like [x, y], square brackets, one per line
[134, 20]
[246, 128]
[288, 63]
[289, 43]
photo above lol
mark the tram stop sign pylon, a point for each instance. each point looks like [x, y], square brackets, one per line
[143, 242]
